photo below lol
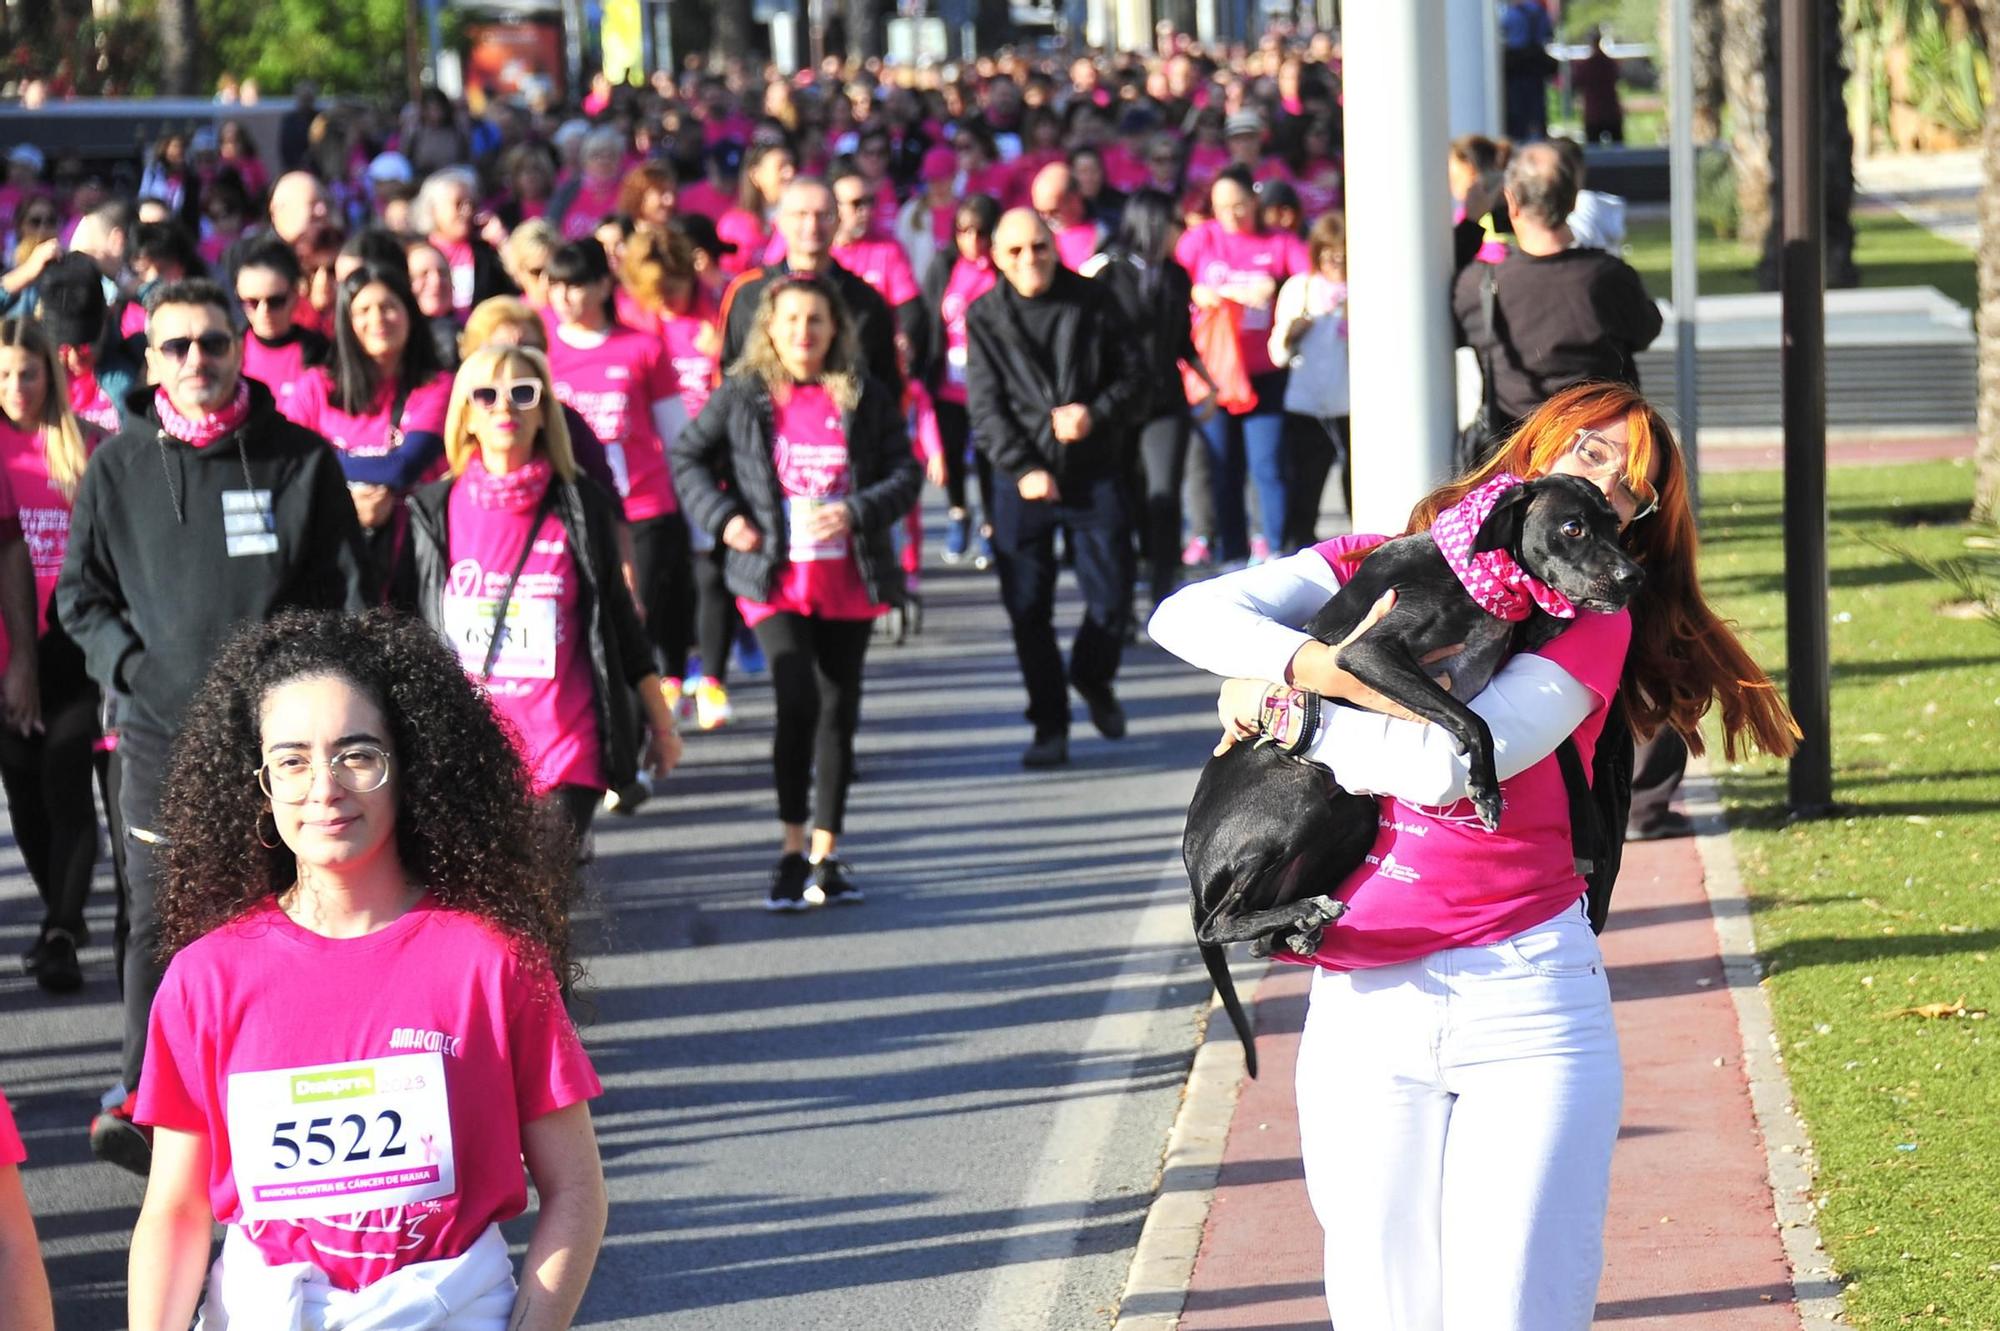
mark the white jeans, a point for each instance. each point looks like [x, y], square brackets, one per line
[1457, 1114]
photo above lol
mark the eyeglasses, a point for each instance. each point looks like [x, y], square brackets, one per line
[523, 393]
[288, 778]
[277, 302]
[40, 221]
[1602, 459]
[214, 346]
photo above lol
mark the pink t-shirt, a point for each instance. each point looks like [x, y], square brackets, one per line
[44, 514]
[880, 262]
[1075, 244]
[132, 320]
[282, 369]
[1125, 169]
[592, 204]
[1218, 258]
[1205, 162]
[458, 255]
[613, 386]
[683, 337]
[1435, 878]
[1319, 188]
[368, 434]
[92, 405]
[810, 451]
[378, 1124]
[541, 678]
[969, 281]
[12, 1152]
[704, 198]
[921, 412]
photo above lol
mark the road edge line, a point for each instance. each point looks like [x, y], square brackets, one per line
[1170, 1241]
[1788, 1152]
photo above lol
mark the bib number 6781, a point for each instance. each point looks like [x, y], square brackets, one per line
[387, 1128]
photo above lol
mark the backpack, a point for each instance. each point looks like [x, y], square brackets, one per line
[1598, 805]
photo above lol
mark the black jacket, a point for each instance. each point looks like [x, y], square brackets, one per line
[874, 322]
[1012, 385]
[155, 580]
[730, 445]
[1560, 319]
[620, 655]
[1157, 314]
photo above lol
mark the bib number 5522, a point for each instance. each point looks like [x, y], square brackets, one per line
[380, 1139]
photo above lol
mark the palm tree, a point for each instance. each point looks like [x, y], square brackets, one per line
[1745, 42]
[180, 46]
[1706, 16]
[1986, 459]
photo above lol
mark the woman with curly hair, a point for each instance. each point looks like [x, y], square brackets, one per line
[800, 466]
[515, 560]
[1458, 1081]
[361, 1036]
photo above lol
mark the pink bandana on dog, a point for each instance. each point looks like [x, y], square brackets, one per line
[1492, 577]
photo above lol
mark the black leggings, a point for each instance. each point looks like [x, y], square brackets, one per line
[1313, 444]
[1163, 453]
[716, 620]
[578, 806]
[663, 567]
[47, 778]
[816, 677]
[955, 429]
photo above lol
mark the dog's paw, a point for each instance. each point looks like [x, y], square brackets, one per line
[1304, 943]
[1260, 947]
[1485, 797]
[1325, 910]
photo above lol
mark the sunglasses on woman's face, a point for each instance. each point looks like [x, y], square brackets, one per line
[525, 394]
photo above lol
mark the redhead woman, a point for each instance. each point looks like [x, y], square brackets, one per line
[1458, 1081]
[800, 466]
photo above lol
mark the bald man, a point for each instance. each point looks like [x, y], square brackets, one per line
[1060, 203]
[1052, 385]
[298, 200]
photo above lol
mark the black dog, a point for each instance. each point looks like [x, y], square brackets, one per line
[1269, 835]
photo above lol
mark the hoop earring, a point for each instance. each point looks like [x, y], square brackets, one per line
[275, 840]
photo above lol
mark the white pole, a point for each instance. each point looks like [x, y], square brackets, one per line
[1686, 272]
[1496, 90]
[1472, 74]
[1399, 259]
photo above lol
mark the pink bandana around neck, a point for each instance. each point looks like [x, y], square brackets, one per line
[516, 492]
[201, 433]
[1492, 577]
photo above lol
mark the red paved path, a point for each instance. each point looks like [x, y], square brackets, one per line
[1840, 453]
[1689, 1244]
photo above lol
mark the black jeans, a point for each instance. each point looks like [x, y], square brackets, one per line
[1658, 765]
[1093, 514]
[816, 680]
[578, 805]
[663, 564]
[142, 766]
[961, 460]
[1163, 455]
[1312, 446]
[47, 778]
[716, 620]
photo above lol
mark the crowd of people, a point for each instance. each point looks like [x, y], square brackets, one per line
[384, 512]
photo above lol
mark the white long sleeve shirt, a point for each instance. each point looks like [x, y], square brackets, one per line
[1247, 625]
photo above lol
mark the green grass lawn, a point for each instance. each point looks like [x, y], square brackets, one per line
[1891, 251]
[1893, 904]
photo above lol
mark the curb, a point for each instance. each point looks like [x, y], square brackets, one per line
[1163, 1263]
[1787, 1149]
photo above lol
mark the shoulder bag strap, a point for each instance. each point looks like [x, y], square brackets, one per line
[507, 596]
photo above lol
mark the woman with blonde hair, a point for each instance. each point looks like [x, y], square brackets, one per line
[800, 466]
[526, 256]
[1458, 1081]
[514, 559]
[44, 449]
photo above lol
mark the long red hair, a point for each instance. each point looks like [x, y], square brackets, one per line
[1684, 658]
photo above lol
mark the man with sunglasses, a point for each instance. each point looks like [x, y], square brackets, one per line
[208, 511]
[277, 352]
[1053, 379]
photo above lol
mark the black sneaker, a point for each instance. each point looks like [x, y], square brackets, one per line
[831, 886]
[117, 1140]
[1667, 825]
[788, 883]
[1106, 712]
[58, 971]
[1046, 751]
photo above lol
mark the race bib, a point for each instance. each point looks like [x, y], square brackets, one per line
[249, 526]
[799, 513]
[527, 642]
[614, 457]
[310, 1143]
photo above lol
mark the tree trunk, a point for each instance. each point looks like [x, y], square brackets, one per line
[864, 28]
[731, 30]
[1707, 55]
[180, 47]
[1745, 42]
[1986, 459]
[1836, 146]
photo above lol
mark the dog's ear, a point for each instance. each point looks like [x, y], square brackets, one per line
[1502, 528]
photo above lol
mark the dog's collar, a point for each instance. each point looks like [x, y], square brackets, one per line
[1493, 578]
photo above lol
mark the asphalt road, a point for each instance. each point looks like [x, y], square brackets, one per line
[944, 1107]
